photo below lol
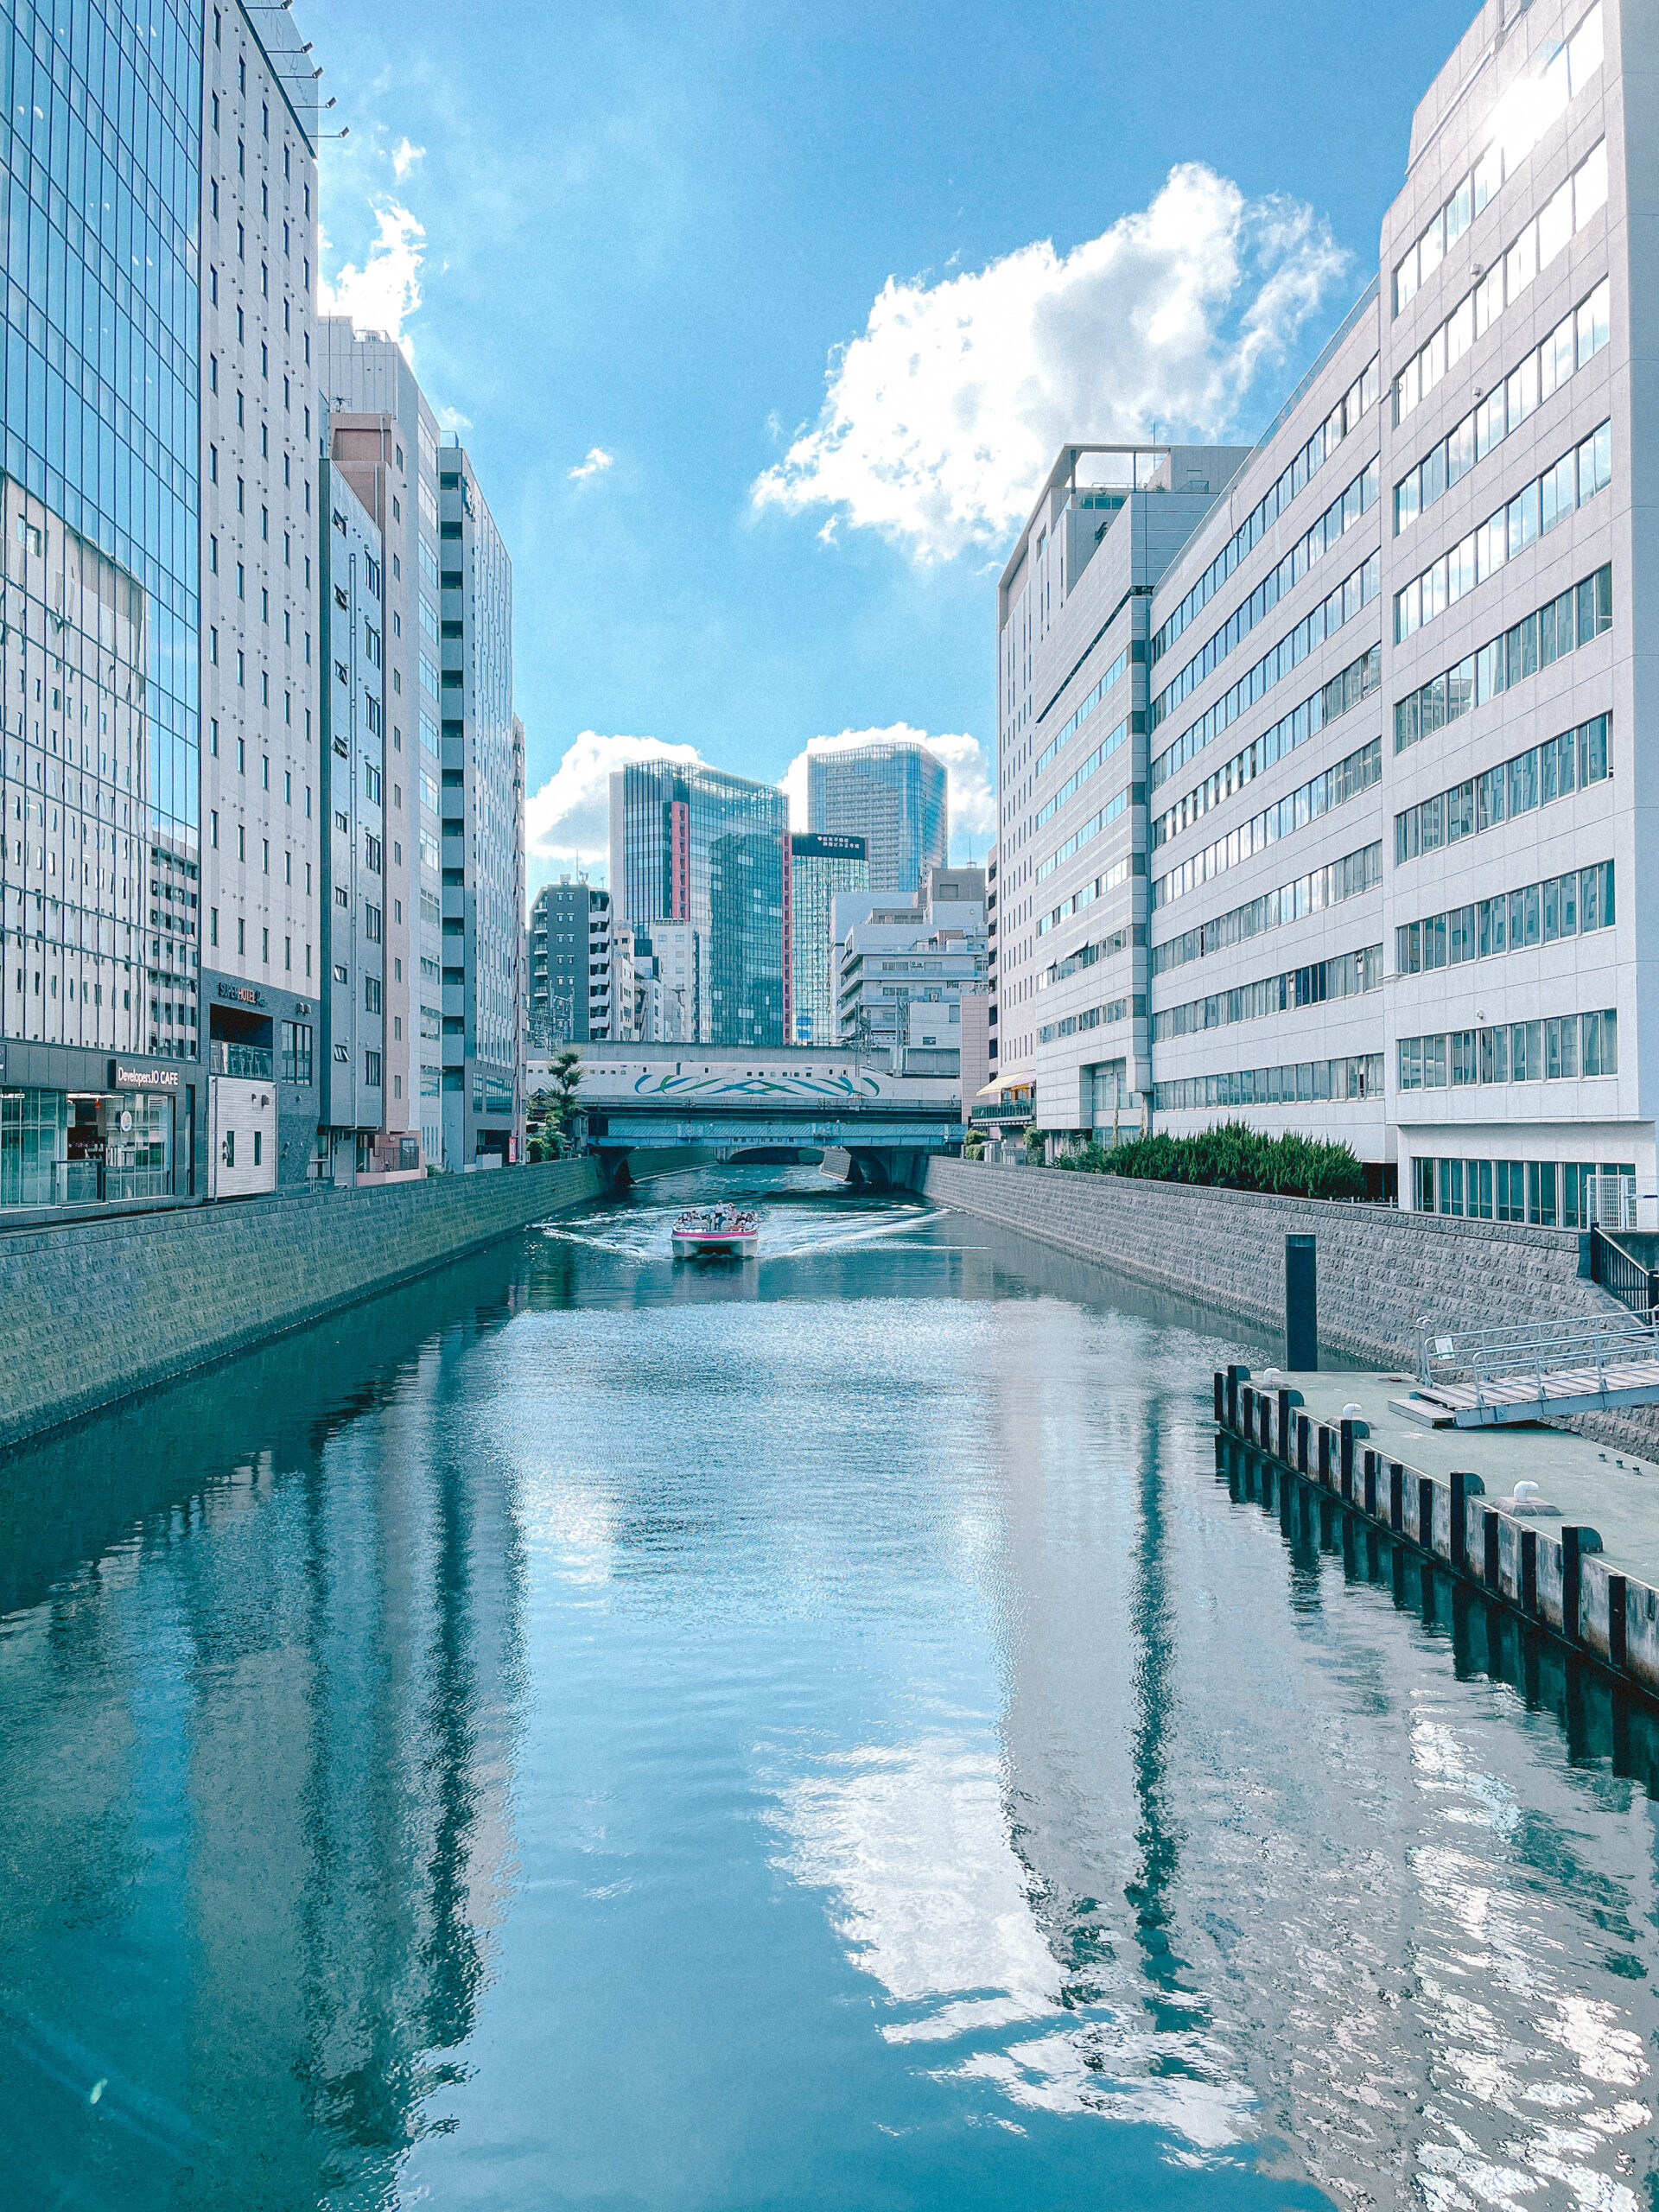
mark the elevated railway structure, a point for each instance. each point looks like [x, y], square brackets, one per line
[738, 1102]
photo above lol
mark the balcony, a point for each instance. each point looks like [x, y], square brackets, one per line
[254, 1061]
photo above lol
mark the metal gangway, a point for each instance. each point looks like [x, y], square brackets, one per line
[1488, 1378]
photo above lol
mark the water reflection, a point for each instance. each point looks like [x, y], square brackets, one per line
[261, 1661]
[829, 1730]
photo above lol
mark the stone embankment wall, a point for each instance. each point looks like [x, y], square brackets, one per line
[1379, 1268]
[96, 1310]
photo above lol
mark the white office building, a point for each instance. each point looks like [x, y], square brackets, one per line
[903, 967]
[1308, 753]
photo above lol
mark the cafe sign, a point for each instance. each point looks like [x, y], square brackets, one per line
[125, 1078]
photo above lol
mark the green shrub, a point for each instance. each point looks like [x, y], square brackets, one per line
[1233, 1157]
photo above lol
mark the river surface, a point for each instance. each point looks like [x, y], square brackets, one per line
[586, 1731]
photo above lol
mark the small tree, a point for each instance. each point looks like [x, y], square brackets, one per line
[548, 1123]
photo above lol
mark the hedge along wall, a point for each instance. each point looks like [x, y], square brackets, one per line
[1379, 1268]
[95, 1310]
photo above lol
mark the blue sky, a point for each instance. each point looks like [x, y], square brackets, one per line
[763, 322]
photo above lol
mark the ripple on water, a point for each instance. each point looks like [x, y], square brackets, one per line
[815, 1732]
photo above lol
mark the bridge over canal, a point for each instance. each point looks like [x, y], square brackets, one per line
[739, 1103]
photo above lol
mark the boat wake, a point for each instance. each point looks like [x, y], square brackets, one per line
[645, 1234]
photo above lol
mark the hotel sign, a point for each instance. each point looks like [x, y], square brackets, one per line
[124, 1077]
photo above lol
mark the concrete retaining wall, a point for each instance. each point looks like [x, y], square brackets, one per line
[1379, 1268]
[96, 1310]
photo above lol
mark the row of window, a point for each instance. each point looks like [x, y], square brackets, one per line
[1334, 788]
[1085, 769]
[1344, 419]
[1503, 284]
[1330, 886]
[1094, 1017]
[1572, 905]
[1358, 1076]
[1086, 706]
[1346, 976]
[1575, 617]
[1323, 621]
[1085, 956]
[1572, 761]
[1338, 518]
[1327, 704]
[1131, 795]
[1576, 338]
[1548, 1193]
[1521, 119]
[1558, 1050]
[1334, 522]
[1569, 484]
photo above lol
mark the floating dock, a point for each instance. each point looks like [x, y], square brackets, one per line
[1576, 1553]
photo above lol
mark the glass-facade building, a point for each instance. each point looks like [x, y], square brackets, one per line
[693, 845]
[893, 794]
[818, 869]
[99, 864]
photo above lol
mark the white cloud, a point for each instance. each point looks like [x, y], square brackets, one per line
[386, 290]
[403, 158]
[597, 463]
[926, 1892]
[941, 420]
[567, 821]
[973, 803]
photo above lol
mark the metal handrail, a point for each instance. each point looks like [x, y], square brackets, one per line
[1620, 1272]
[1491, 1356]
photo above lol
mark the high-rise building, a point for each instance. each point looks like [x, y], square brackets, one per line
[482, 942]
[262, 663]
[894, 794]
[570, 964]
[819, 866]
[695, 845]
[352, 993]
[383, 437]
[157, 457]
[1308, 768]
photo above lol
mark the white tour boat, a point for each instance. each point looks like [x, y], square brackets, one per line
[723, 1230]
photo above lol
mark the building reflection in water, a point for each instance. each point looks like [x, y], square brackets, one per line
[1247, 1861]
[259, 1720]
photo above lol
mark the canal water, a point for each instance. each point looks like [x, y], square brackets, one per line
[587, 1732]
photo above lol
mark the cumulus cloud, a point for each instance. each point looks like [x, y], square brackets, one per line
[386, 290]
[942, 418]
[403, 158]
[597, 463]
[973, 803]
[567, 821]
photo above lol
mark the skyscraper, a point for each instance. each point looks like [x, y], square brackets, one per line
[818, 867]
[891, 792]
[693, 845]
